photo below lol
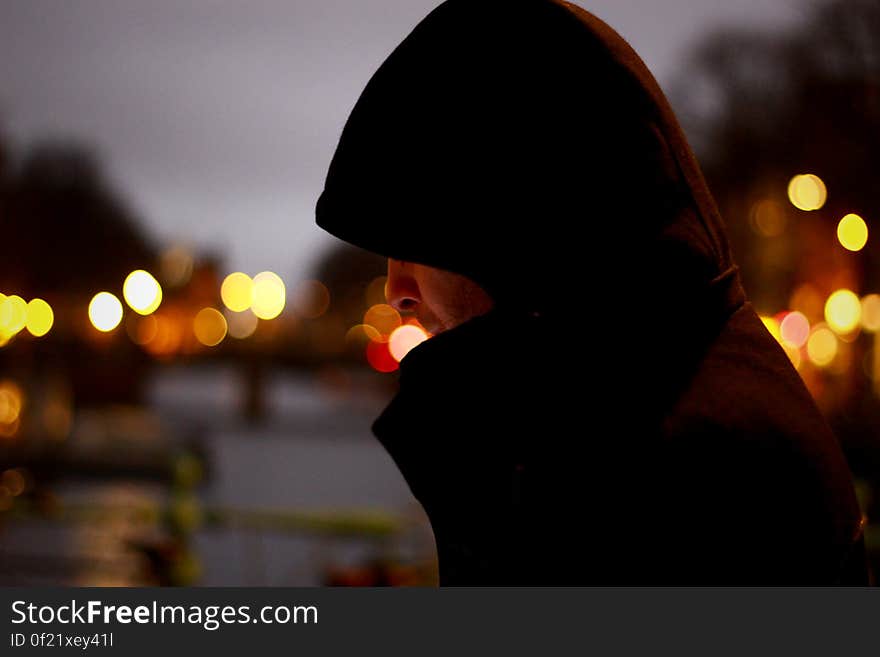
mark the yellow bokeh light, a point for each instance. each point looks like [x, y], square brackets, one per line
[404, 338]
[311, 299]
[807, 192]
[241, 325]
[105, 311]
[11, 402]
[142, 330]
[822, 346]
[871, 312]
[13, 315]
[39, 317]
[807, 300]
[268, 296]
[209, 327]
[237, 291]
[852, 231]
[383, 318]
[843, 311]
[375, 292]
[768, 218]
[142, 292]
[772, 326]
[360, 334]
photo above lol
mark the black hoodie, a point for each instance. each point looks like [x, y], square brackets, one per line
[621, 415]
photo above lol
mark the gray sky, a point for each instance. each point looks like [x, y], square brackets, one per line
[217, 118]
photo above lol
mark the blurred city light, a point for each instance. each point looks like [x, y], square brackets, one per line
[768, 218]
[311, 299]
[13, 480]
[268, 297]
[105, 311]
[379, 357]
[39, 317]
[236, 291]
[176, 266]
[822, 346]
[794, 355]
[852, 231]
[404, 338]
[375, 293]
[871, 312]
[142, 330]
[241, 325]
[807, 192]
[13, 316]
[167, 339]
[384, 319]
[11, 403]
[209, 327]
[142, 292]
[794, 329]
[360, 334]
[807, 300]
[843, 311]
[772, 326]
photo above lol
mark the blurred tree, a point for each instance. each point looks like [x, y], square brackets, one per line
[347, 271]
[761, 108]
[63, 227]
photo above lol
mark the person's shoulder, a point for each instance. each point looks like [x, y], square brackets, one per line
[745, 387]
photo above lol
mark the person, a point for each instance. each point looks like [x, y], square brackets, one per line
[600, 404]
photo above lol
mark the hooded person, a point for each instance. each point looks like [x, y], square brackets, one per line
[618, 414]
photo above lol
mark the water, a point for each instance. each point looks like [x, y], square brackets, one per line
[313, 453]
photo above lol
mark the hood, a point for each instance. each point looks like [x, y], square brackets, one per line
[524, 144]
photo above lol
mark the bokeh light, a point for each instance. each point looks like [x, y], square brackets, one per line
[241, 325]
[384, 319]
[360, 334]
[105, 311]
[176, 266]
[852, 231]
[794, 355]
[794, 329]
[375, 293]
[11, 404]
[404, 338]
[311, 299]
[39, 317]
[871, 312]
[142, 330]
[268, 296]
[843, 311]
[209, 327]
[13, 480]
[13, 315]
[807, 192]
[169, 336]
[809, 301]
[379, 357]
[768, 218]
[772, 326]
[236, 291]
[142, 292]
[822, 346]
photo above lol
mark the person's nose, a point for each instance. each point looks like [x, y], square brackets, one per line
[401, 289]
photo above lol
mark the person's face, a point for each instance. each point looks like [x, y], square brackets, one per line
[439, 299]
